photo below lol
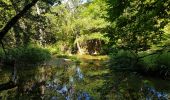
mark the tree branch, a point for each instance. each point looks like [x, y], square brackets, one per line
[156, 52]
[15, 19]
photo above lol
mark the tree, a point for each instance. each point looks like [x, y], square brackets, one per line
[14, 7]
[11, 23]
[78, 25]
[14, 20]
[137, 25]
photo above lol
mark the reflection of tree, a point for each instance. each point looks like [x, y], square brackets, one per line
[8, 85]
[121, 85]
[137, 25]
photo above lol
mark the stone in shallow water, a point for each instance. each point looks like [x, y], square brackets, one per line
[53, 98]
[68, 98]
[63, 90]
[84, 96]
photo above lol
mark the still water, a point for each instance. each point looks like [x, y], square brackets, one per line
[64, 79]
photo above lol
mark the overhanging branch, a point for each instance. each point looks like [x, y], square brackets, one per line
[15, 19]
[156, 52]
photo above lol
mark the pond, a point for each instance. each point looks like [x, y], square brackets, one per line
[64, 79]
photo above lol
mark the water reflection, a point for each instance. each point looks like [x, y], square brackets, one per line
[84, 96]
[151, 93]
[78, 72]
[67, 90]
[86, 81]
[130, 86]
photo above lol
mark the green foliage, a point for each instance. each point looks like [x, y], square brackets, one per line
[136, 24]
[122, 60]
[54, 49]
[139, 25]
[156, 62]
[97, 36]
[153, 64]
[163, 59]
[78, 23]
[28, 55]
[63, 23]
[149, 63]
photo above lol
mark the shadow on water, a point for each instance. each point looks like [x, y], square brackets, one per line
[63, 79]
[132, 86]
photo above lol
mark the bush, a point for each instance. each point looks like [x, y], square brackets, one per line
[157, 64]
[148, 63]
[156, 61]
[122, 60]
[163, 59]
[28, 55]
[54, 49]
[163, 64]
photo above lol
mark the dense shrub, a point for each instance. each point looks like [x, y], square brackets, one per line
[122, 60]
[54, 49]
[157, 60]
[157, 64]
[164, 59]
[148, 63]
[27, 55]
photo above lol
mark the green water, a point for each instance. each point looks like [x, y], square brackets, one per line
[96, 80]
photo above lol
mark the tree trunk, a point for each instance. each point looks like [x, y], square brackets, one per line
[79, 48]
[41, 33]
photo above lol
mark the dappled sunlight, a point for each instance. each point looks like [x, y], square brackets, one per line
[84, 50]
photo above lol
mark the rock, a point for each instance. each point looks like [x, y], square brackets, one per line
[53, 98]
